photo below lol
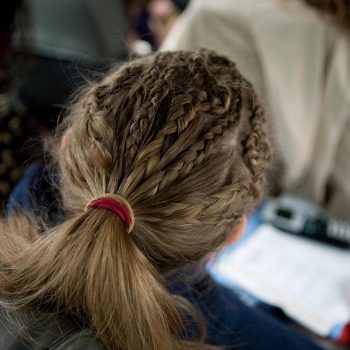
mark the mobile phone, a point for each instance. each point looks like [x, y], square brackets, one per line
[300, 217]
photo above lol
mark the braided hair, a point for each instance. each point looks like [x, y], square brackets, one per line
[181, 136]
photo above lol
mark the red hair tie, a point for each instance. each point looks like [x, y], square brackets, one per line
[118, 205]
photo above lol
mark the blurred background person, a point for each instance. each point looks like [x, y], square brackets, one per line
[69, 39]
[47, 50]
[13, 128]
[299, 60]
[151, 21]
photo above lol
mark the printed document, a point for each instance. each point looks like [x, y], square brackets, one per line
[309, 280]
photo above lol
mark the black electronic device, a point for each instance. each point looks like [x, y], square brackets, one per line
[297, 216]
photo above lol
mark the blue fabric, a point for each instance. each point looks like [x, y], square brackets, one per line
[229, 320]
[232, 323]
[25, 189]
[36, 195]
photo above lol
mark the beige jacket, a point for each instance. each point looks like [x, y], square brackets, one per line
[300, 65]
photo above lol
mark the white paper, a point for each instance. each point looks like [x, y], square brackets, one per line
[310, 281]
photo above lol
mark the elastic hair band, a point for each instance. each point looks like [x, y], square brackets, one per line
[118, 205]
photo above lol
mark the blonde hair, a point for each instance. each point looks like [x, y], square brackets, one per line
[181, 136]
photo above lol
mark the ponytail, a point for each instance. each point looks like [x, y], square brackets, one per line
[90, 268]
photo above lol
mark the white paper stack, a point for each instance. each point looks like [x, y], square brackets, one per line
[310, 281]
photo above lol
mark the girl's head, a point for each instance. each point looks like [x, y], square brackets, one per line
[179, 135]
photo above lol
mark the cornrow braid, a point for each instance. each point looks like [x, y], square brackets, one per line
[144, 117]
[180, 118]
[153, 86]
[199, 150]
[256, 149]
[184, 109]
